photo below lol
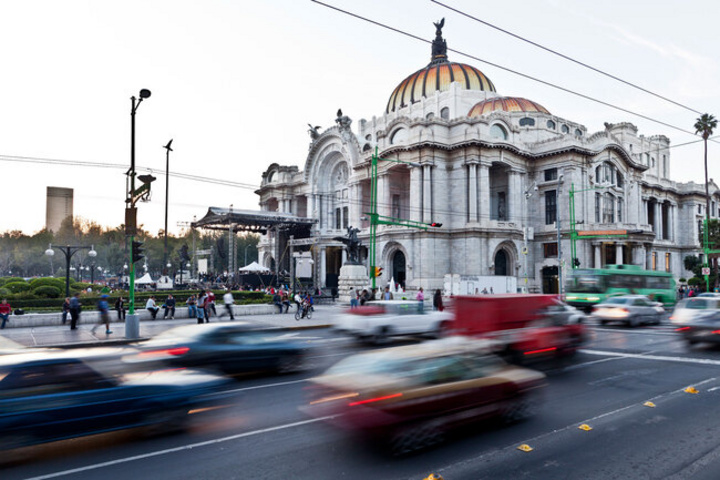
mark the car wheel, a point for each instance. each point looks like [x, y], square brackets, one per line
[166, 422]
[603, 322]
[520, 408]
[382, 336]
[633, 322]
[290, 364]
[416, 437]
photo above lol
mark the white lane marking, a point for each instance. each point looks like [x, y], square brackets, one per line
[257, 387]
[177, 449]
[699, 361]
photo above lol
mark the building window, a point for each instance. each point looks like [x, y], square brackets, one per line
[619, 210]
[664, 166]
[527, 122]
[700, 208]
[345, 218]
[399, 136]
[396, 206]
[551, 125]
[550, 207]
[550, 174]
[654, 261]
[565, 129]
[445, 113]
[497, 131]
[578, 132]
[652, 162]
[338, 219]
[597, 207]
[429, 116]
[368, 137]
[667, 262]
[608, 209]
[550, 250]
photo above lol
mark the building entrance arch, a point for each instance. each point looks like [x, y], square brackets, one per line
[399, 266]
[501, 263]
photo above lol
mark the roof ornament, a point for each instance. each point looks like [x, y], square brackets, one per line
[439, 45]
[314, 131]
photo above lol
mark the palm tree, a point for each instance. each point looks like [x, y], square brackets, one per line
[705, 125]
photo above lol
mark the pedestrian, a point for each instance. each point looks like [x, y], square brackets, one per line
[298, 300]
[355, 300]
[120, 307]
[169, 307]
[491, 291]
[228, 300]
[277, 301]
[151, 307]
[484, 291]
[5, 310]
[438, 301]
[210, 307]
[192, 309]
[420, 297]
[285, 301]
[201, 300]
[387, 294]
[104, 310]
[75, 308]
[65, 310]
[364, 296]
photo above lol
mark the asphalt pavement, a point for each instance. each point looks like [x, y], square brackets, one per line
[62, 336]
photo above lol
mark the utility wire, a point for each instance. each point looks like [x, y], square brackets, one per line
[578, 62]
[529, 77]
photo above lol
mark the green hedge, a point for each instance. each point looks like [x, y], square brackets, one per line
[17, 287]
[47, 291]
[4, 280]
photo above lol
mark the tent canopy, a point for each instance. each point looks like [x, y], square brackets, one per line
[144, 280]
[254, 267]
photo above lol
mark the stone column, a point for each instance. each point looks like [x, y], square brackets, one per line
[427, 194]
[659, 220]
[416, 186]
[484, 194]
[597, 250]
[323, 266]
[619, 253]
[472, 192]
[383, 206]
[514, 197]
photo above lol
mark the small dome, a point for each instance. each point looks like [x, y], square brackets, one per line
[506, 104]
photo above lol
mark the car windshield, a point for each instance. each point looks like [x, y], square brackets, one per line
[586, 283]
[372, 364]
[617, 301]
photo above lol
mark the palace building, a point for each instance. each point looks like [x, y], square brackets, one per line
[497, 172]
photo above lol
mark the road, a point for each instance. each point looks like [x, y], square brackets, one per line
[266, 436]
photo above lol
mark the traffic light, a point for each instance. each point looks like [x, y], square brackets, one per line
[576, 262]
[435, 224]
[378, 272]
[137, 251]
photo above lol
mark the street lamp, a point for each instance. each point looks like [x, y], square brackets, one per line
[69, 251]
[168, 149]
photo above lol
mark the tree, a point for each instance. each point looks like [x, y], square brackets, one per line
[705, 126]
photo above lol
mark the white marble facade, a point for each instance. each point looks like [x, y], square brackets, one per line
[495, 171]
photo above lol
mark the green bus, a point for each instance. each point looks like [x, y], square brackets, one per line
[589, 286]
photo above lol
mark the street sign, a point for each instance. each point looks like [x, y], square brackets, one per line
[706, 271]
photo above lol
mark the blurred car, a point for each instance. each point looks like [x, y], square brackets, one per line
[233, 348]
[710, 294]
[377, 321]
[411, 395]
[632, 310]
[46, 397]
[688, 309]
[701, 328]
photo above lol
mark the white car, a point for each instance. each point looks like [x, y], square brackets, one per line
[377, 321]
[691, 308]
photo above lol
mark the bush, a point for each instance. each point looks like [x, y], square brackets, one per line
[6, 280]
[683, 280]
[48, 281]
[17, 287]
[4, 292]
[46, 291]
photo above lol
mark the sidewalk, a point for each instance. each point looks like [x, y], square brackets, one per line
[62, 336]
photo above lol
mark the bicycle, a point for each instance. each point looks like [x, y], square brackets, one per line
[303, 312]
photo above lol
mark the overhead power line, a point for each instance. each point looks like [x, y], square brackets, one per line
[566, 57]
[515, 72]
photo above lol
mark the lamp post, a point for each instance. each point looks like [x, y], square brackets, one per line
[69, 251]
[168, 149]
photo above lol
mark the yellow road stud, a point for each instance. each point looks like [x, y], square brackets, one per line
[433, 477]
[692, 390]
[649, 404]
[585, 427]
[525, 447]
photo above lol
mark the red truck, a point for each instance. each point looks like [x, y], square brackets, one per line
[524, 326]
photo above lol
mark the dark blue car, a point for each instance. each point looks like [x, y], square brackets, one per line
[48, 396]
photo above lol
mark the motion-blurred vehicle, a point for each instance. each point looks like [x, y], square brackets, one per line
[232, 348]
[701, 328]
[524, 327]
[710, 294]
[48, 396]
[410, 396]
[632, 310]
[378, 321]
[688, 309]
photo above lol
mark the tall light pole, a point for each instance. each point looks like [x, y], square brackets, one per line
[559, 237]
[168, 149]
[69, 251]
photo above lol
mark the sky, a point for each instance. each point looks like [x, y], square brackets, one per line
[235, 82]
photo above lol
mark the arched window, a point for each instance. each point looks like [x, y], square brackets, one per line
[527, 122]
[551, 125]
[367, 147]
[578, 132]
[368, 137]
[271, 177]
[445, 113]
[497, 131]
[429, 116]
[565, 129]
[608, 209]
[399, 136]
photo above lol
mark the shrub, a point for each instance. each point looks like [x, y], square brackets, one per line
[6, 280]
[46, 291]
[4, 292]
[17, 287]
[683, 280]
[58, 283]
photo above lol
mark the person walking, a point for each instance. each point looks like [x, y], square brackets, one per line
[387, 294]
[192, 309]
[75, 308]
[151, 307]
[120, 307]
[228, 300]
[210, 306]
[420, 297]
[201, 300]
[65, 310]
[437, 301]
[169, 307]
[5, 310]
[104, 310]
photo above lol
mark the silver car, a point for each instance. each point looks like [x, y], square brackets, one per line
[632, 310]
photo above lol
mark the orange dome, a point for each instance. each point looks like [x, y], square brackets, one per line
[437, 77]
[506, 104]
